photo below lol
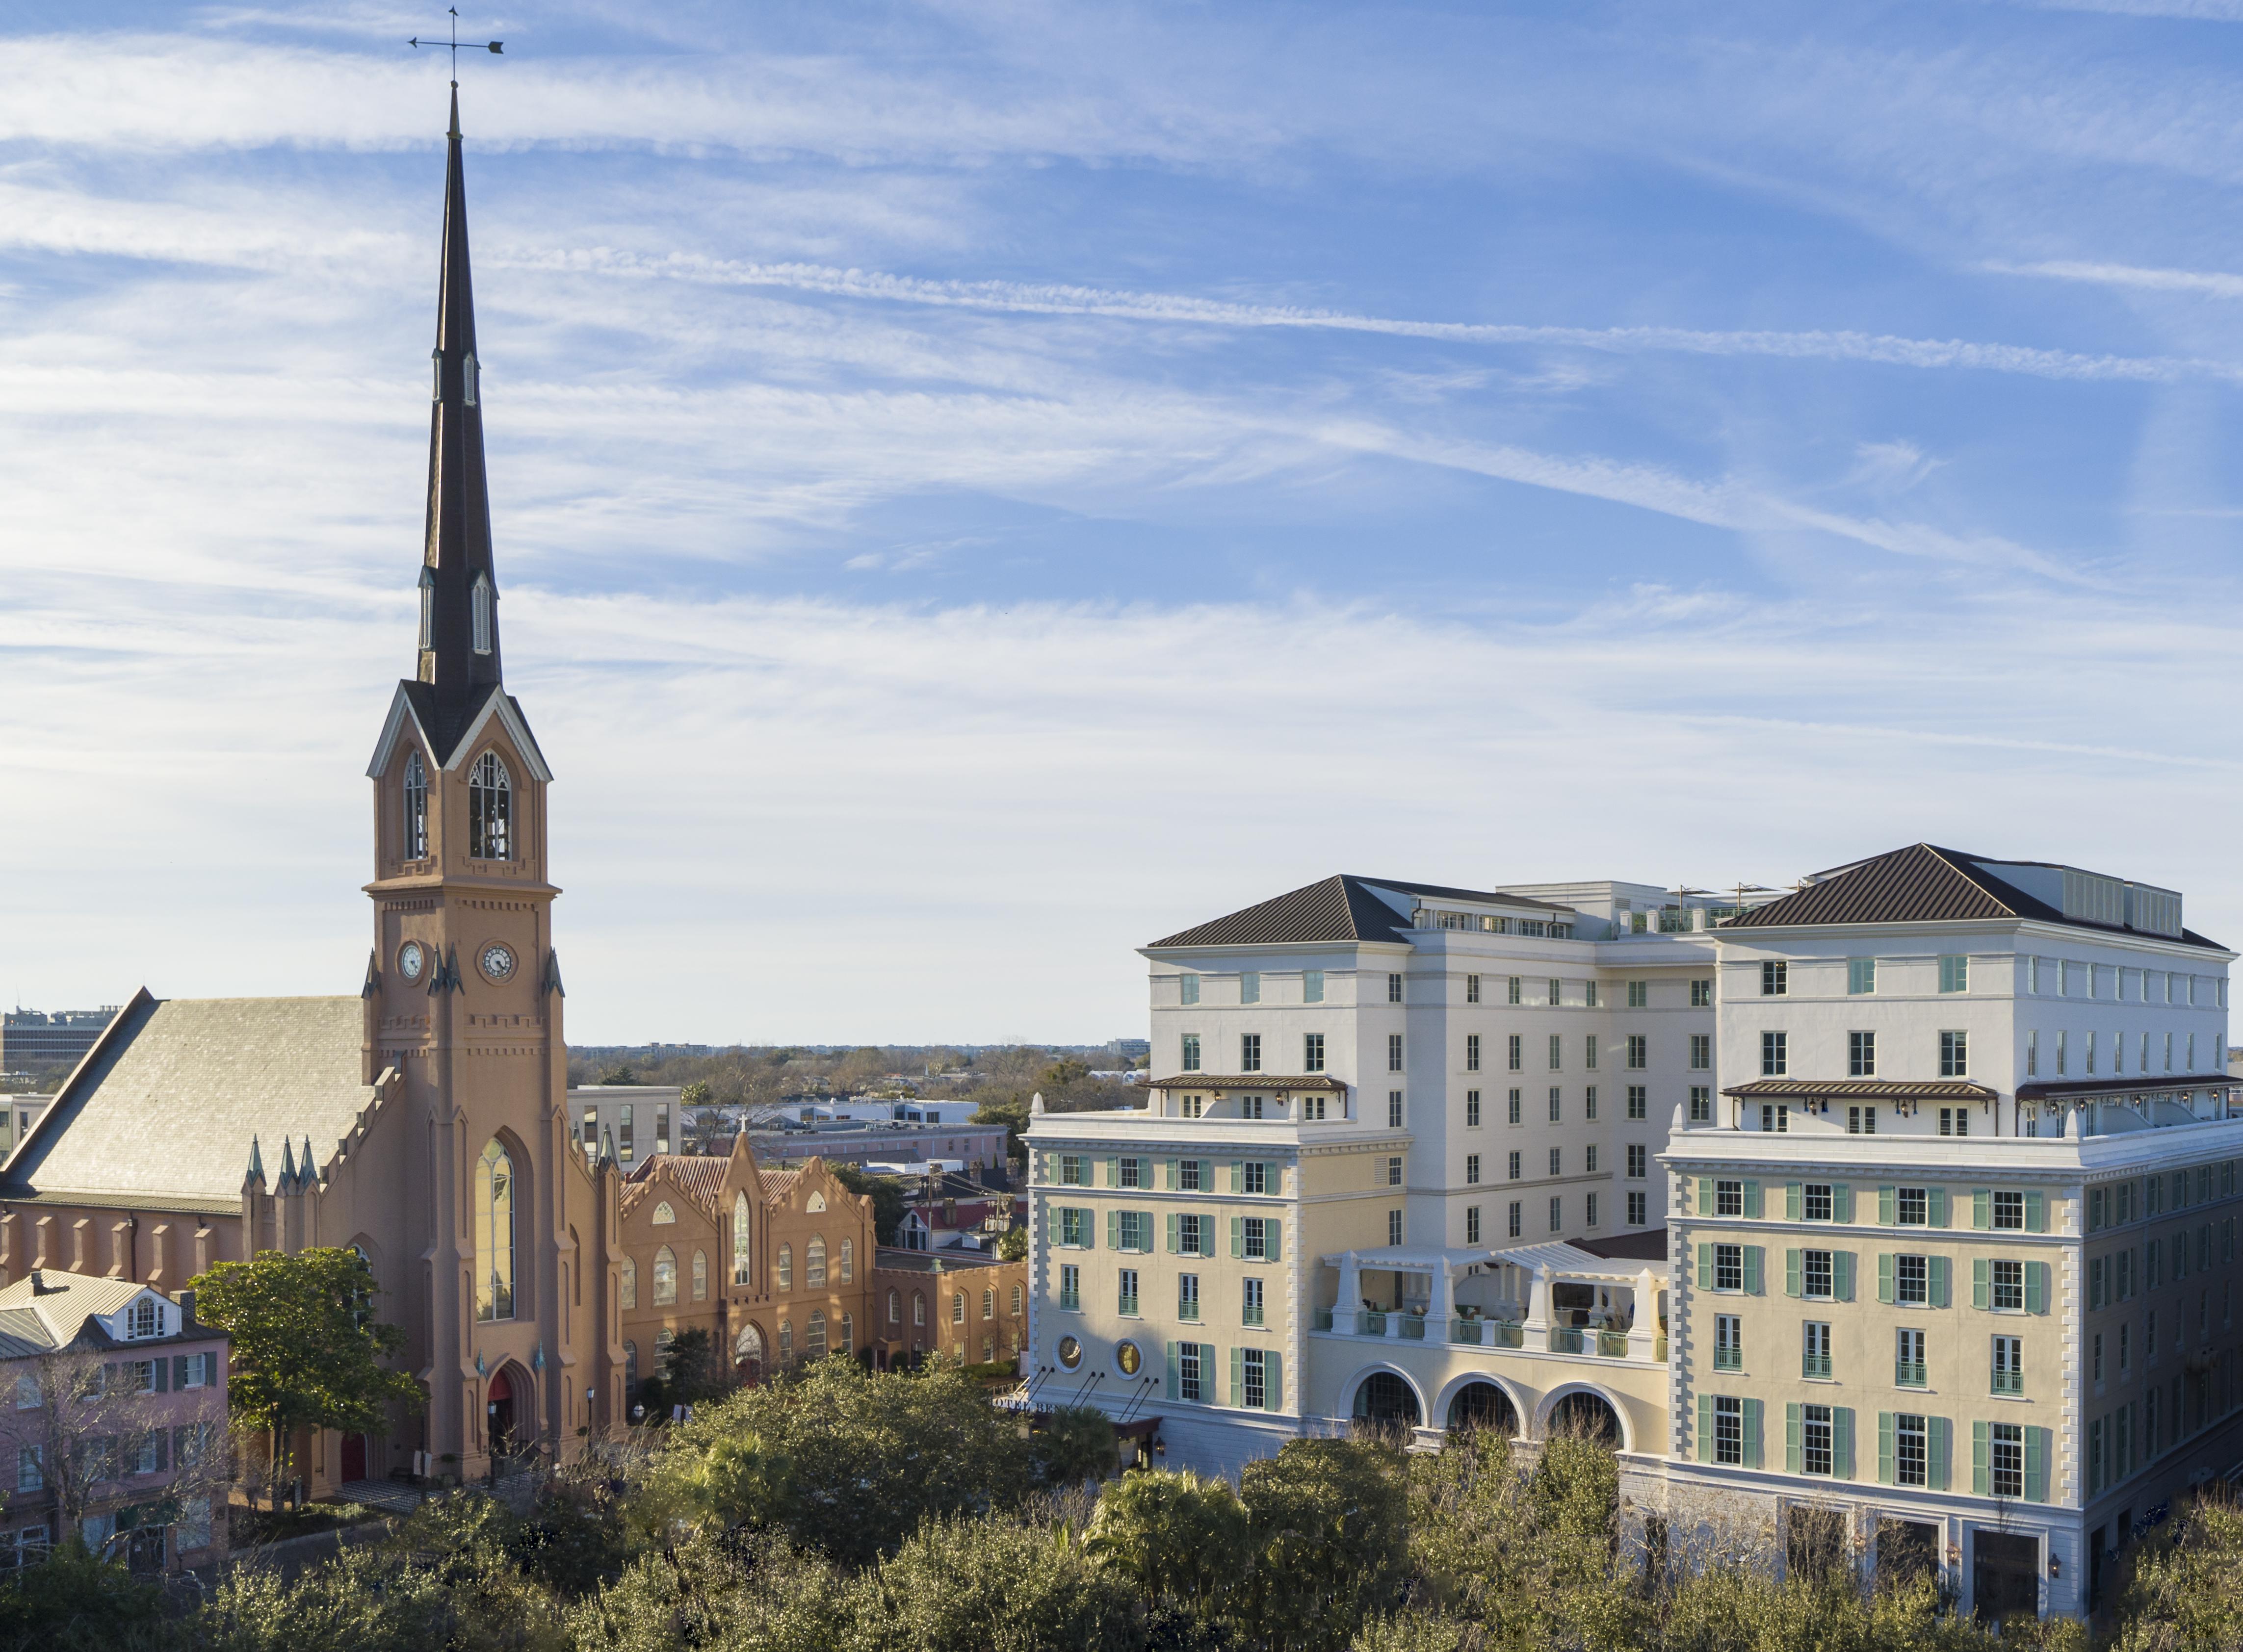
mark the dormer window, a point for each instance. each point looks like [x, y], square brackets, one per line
[147, 1319]
[481, 610]
[471, 373]
[416, 807]
[437, 370]
[428, 607]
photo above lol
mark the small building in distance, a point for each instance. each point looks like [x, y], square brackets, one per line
[953, 1210]
[34, 1040]
[963, 1306]
[17, 1114]
[116, 1422]
[641, 1119]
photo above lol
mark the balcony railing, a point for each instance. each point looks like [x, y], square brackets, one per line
[1814, 1364]
[1728, 1358]
[1910, 1374]
[1567, 1339]
[1478, 1331]
[2008, 1382]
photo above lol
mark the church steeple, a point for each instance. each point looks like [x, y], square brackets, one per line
[459, 589]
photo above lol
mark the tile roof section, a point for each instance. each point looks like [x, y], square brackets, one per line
[1341, 908]
[697, 1176]
[1922, 883]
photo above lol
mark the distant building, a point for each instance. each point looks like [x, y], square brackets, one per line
[17, 1114]
[642, 1120]
[856, 1142]
[33, 1040]
[1129, 1049]
[965, 1307]
[951, 1211]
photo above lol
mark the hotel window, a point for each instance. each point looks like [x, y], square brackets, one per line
[1513, 1104]
[1070, 1290]
[1312, 986]
[1472, 988]
[1817, 1206]
[1255, 1365]
[1517, 1208]
[1191, 1373]
[1814, 1351]
[1393, 1053]
[1861, 1055]
[1393, 989]
[1861, 1121]
[1471, 1223]
[1187, 989]
[1254, 1177]
[1728, 1429]
[1912, 1280]
[1249, 1052]
[1251, 1106]
[1728, 1198]
[1557, 1159]
[1775, 980]
[1816, 1440]
[1557, 1214]
[1191, 1052]
[1912, 1207]
[2009, 1287]
[1908, 1360]
[1514, 1165]
[1249, 987]
[1701, 1104]
[1774, 1054]
[1638, 1158]
[1312, 1052]
[1955, 1055]
[1589, 1210]
[1817, 1275]
[1125, 1297]
[1394, 1227]
[1728, 1267]
[1701, 1052]
[2063, 1062]
[1518, 1053]
[1557, 1048]
[2010, 1211]
[1515, 985]
[1472, 1110]
[1472, 1052]
[1638, 1101]
[1255, 1233]
[1393, 1110]
[2008, 1464]
[2033, 1053]
[1911, 1449]
[1954, 974]
[1639, 1052]
[1250, 1306]
[1471, 1169]
[1394, 1170]
[1776, 1118]
[1129, 1172]
[1071, 1170]
[1589, 1052]
[1861, 976]
[1557, 1104]
[1701, 993]
[1555, 996]
[1589, 994]
[1954, 1121]
[1188, 1296]
[1638, 1209]
[2091, 1054]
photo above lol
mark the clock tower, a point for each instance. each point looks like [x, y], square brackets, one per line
[463, 993]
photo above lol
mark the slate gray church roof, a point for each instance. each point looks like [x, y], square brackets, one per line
[1343, 908]
[163, 1112]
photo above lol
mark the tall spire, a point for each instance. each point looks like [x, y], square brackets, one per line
[459, 593]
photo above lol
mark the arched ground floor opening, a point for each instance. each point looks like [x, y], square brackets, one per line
[1587, 1416]
[1483, 1405]
[1385, 1397]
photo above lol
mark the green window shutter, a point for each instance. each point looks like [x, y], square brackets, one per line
[1884, 1445]
[1752, 1201]
[1705, 1267]
[1982, 1208]
[180, 1371]
[1172, 1224]
[1841, 1442]
[1238, 1236]
[1752, 1409]
[1207, 1236]
[1752, 1270]
[1114, 1230]
[1705, 1196]
[1885, 1206]
[1978, 1458]
[1701, 1449]
[1168, 1174]
[1114, 1172]
[1981, 1273]
[1842, 1275]
[1937, 1447]
[1273, 1382]
[1792, 1453]
[1791, 1201]
[1939, 1268]
[1792, 1283]
[1237, 1177]
[1884, 1277]
[163, 1373]
[1842, 1202]
[2036, 1465]
[1051, 1224]
[1937, 1200]
[1175, 1392]
[2036, 1212]
[1238, 1378]
[2036, 1288]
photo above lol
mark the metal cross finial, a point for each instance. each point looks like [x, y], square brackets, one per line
[494, 47]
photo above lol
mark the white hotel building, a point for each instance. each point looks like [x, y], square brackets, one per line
[1899, 1204]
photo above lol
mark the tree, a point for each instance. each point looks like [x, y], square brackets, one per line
[998, 1584]
[306, 1346]
[696, 1094]
[1013, 1245]
[78, 1603]
[1181, 1539]
[1010, 1110]
[1330, 1524]
[692, 1369]
[1075, 1444]
[622, 1075]
[889, 1201]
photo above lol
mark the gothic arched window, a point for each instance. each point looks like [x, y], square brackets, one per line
[631, 1369]
[631, 1283]
[479, 611]
[848, 1261]
[700, 1276]
[989, 1303]
[742, 1262]
[785, 1341]
[786, 1267]
[664, 1215]
[918, 1307]
[895, 1309]
[813, 1263]
[416, 807]
[490, 810]
[813, 1341]
[665, 1277]
[495, 1234]
[848, 1333]
[1016, 1299]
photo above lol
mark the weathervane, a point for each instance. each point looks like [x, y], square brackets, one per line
[493, 46]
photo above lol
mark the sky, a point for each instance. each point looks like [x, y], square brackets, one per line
[978, 487]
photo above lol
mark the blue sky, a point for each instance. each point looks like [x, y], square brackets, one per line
[978, 488]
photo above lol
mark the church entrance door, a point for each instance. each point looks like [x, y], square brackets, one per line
[354, 1457]
[500, 1414]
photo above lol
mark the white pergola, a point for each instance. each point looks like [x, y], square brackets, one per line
[1524, 1275]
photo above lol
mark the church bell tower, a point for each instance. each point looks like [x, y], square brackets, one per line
[463, 990]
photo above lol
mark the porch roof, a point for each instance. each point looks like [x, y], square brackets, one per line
[1558, 1257]
[1412, 1258]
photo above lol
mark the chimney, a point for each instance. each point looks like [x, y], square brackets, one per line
[187, 1300]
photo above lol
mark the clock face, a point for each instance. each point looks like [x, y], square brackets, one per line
[410, 960]
[497, 962]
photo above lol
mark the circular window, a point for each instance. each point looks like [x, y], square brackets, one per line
[1070, 1353]
[410, 960]
[497, 962]
[1126, 1356]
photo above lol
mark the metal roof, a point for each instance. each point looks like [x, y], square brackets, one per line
[1863, 1089]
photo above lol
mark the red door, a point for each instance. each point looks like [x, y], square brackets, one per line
[354, 1457]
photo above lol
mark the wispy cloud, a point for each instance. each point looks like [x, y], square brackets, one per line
[2211, 283]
